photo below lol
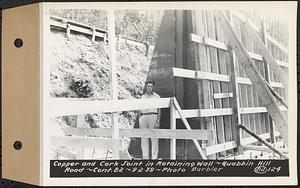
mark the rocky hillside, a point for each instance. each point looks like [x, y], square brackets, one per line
[80, 69]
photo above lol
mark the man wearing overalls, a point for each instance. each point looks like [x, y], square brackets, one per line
[149, 119]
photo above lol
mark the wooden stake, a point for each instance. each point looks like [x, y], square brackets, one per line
[172, 127]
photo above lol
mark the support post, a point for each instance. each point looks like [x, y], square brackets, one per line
[268, 79]
[235, 100]
[173, 127]
[113, 75]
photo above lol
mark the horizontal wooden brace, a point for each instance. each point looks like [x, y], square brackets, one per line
[142, 133]
[72, 22]
[255, 56]
[85, 142]
[242, 80]
[62, 107]
[276, 84]
[247, 81]
[81, 29]
[222, 95]
[232, 144]
[282, 63]
[279, 143]
[185, 73]
[87, 31]
[58, 24]
[261, 148]
[253, 110]
[220, 147]
[274, 42]
[194, 113]
[222, 46]
[208, 41]
[74, 26]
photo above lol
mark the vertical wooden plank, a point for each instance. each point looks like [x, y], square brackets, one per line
[225, 64]
[235, 100]
[113, 75]
[202, 63]
[213, 58]
[269, 122]
[253, 100]
[262, 116]
[253, 123]
[252, 95]
[244, 92]
[181, 56]
[172, 127]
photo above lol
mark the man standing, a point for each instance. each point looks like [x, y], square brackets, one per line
[149, 119]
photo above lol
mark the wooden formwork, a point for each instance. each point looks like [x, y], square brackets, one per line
[194, 62]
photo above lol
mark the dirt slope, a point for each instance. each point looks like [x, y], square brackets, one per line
[80, 69]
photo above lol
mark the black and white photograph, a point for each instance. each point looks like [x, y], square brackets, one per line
[168, 87]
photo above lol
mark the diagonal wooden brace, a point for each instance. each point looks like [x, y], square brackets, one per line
[186, 123]
[253, 73]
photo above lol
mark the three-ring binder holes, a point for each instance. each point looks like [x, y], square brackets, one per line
[18, 43]
[18, 145]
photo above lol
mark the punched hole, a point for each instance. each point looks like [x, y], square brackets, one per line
[18, 43]
[18, 145]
